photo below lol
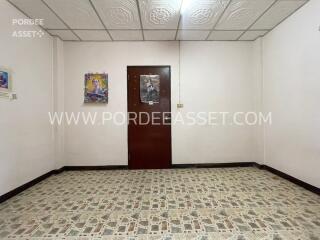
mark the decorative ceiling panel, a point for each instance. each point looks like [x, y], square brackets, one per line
[240, 14]
[38, 10]
[192, 35]
[126, 35]
[201, 14]
[163, 20]
[78, 14]
[93, 35]
[118, 14]
[65, 35]
[224, 35]
[160, 14]
[159, 34]
[252, 35]
[277, 13]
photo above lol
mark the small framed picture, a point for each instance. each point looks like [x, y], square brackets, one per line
[150, 89]
[5, 84]
[96, 88]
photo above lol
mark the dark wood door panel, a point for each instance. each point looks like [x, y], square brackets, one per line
[149, 144]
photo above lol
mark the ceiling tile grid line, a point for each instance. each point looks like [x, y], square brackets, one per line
[251, 35]
[175, 37]
[133, 35]
[223, 35]
[187, 35]
[274, 2]
[156, 41]
[139, 13]
[280, 11]
[64, 34]
[158, 19]
[37, 9]
[242, 13]
[219, 18]
[88, 35]
[76, 13]
[160, 30]
[160, 35]
[95, 10]
[43, 1]
[304, 3]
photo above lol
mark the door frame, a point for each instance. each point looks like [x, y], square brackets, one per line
[138, 66]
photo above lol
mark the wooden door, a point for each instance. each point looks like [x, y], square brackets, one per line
[149, 94]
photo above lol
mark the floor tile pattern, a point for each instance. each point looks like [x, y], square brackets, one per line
[203, 204]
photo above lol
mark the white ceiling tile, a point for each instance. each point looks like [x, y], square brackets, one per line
[160, 18]
[159, 34]
[66, 35]
[252, 35]
[118, 14]
[126, 35]
[93, 35]
[78, 14]
[192, 35]
[160, 14]
[201, 14]
[38, 10]
[224, 35]
[240, 14]
[277, 13]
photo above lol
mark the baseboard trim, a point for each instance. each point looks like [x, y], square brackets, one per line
[25, 186]
[215, 165]
[90, 168]
[294, 180]
[33, 182]
[58, 171]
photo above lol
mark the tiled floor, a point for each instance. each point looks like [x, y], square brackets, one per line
[232, 203]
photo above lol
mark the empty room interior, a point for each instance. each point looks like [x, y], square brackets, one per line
[160, 119]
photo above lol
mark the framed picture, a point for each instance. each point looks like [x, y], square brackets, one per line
[96, 88]
[4, 81]
[150, 89]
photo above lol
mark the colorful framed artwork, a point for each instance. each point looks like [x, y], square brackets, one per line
[96, 88]
[4, 81]
[150, 89]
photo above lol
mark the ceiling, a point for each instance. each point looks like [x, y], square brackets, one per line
[154, 20]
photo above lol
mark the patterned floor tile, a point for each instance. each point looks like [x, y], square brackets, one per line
[232, 203]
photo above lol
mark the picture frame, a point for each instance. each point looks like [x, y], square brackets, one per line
[5, 81]
[96, 88]
[150, 89]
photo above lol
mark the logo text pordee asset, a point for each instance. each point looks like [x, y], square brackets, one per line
[23, 33]
[161, 118]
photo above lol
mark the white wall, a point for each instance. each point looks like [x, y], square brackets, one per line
[291, 57]
[106, 144]
[25, 133]
[215, 76]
